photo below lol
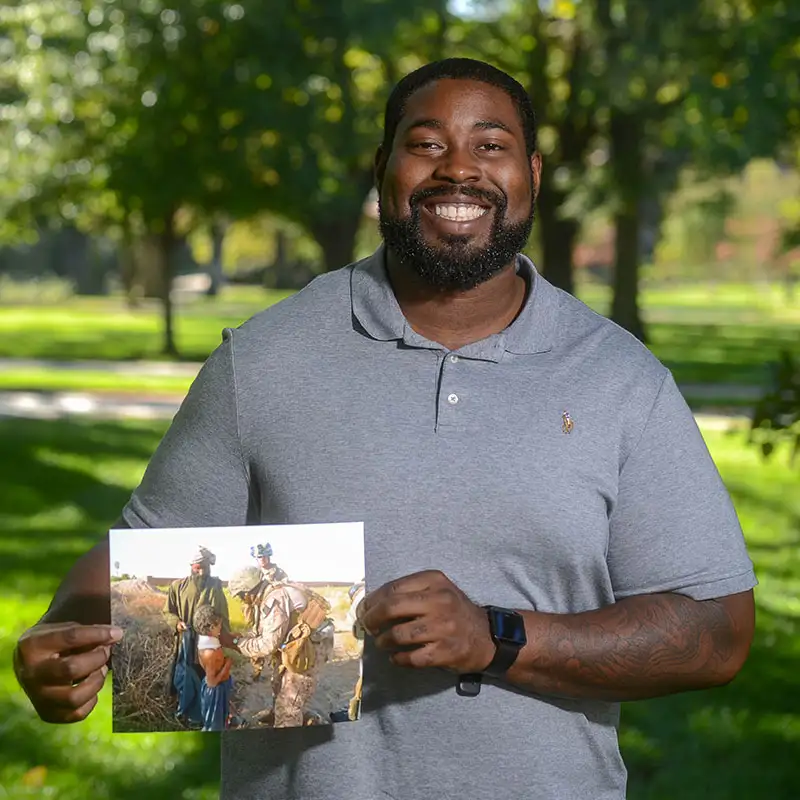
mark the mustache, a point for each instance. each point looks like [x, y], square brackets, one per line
[421, 195]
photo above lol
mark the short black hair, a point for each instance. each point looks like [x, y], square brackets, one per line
[458, 69]
[206, 618]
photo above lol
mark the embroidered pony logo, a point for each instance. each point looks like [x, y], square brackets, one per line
[566, 422]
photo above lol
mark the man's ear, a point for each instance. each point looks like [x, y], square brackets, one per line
[536, 173]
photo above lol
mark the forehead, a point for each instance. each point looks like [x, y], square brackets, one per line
[458, 102]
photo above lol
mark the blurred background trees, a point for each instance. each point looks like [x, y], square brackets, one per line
[189, 163]
[144, 140]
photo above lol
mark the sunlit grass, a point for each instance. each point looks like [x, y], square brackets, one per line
[62, 484]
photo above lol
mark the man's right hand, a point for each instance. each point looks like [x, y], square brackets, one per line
[62, 667]
[181, 626]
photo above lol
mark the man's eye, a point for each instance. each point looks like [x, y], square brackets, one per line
[423, 145]
[491, 146]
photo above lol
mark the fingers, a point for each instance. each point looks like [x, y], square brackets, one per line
[414, 633]
[417, 582]
[394, 607]
[48, 639]
[68, 670]
[420, 658]
[60, 715]
[72, 698]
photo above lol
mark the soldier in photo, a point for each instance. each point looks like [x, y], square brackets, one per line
[272, 574]
[292, 631]
[262, 553]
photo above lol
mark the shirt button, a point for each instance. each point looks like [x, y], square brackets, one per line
[452, 399]
[453, 359]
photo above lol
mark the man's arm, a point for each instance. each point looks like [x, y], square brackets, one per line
[84, 594]
[61, 662]
[272, 632]
[637, 648]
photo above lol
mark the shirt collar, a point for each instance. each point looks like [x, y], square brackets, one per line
[378, 314]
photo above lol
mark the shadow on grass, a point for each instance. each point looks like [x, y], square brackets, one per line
[62, 486]
[79, 772]
[739, 742]
[742, 741]
[721, 353]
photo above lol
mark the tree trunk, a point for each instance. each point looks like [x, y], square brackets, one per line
[625, 305]
[558, 243]
[337, 239]
[440, 38]
[557, 236]
[627, 165]
[165, 249]
[218, 230]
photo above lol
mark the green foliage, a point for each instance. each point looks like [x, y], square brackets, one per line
[776, 418]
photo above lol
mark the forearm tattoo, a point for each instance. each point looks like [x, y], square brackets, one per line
[637, 648]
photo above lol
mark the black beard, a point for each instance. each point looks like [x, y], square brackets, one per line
[199, 579]
[455, 264]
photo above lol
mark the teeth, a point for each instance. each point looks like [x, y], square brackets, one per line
[460, 213]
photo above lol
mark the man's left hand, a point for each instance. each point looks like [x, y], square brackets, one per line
[425, 620]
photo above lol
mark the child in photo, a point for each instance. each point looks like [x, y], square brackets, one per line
[217, 685]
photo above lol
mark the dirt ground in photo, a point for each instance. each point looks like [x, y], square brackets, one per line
[143, 660]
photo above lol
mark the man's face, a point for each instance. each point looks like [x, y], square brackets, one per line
[263, 562]
[457, 189]
[200, 569]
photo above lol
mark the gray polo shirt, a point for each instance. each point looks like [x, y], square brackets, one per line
[328, 407]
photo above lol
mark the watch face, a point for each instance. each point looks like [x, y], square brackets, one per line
[508, 626]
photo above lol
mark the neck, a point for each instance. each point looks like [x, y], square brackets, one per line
[459, 317]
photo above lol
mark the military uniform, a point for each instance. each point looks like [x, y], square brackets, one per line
[273, 575]
[277, 611]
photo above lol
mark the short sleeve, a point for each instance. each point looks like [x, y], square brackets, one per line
[197, 476]
[673, 527]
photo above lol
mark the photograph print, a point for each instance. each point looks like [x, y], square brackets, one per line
[246, 627]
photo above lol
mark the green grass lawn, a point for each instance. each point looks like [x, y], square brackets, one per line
[62, 483]
[86, 380]
[705, 334]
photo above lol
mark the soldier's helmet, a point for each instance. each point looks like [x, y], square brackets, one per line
[261, 550]
[244, 580]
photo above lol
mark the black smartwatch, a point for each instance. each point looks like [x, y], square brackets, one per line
[508, 633]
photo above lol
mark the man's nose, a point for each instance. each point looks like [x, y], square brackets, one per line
[458, 165]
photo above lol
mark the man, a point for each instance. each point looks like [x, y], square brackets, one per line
[285, 617]
[272, 574]
[469, 413]
[185, 595]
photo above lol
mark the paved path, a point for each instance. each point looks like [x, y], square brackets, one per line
[183, 369]
[95, 405]
[176, 369]
[162, 406]
[105, 406]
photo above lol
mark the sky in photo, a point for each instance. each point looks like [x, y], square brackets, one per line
[325, 552]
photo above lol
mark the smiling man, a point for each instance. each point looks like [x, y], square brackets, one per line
[545, 532]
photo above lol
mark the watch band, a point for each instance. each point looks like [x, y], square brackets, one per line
[505, 655]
